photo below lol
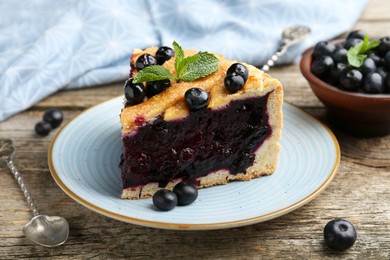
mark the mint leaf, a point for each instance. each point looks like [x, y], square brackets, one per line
[187, 68]
[204, 65]
[184, 64]
[363, 45]
[372, 44]
[179, 53]
[153, 73]
[356, 60]
[358, 53]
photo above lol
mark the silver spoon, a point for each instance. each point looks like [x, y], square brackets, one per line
[49, 231]
[290, 36]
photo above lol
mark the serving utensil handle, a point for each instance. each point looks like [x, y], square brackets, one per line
[23, 187]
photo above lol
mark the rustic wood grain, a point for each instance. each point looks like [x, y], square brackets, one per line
[360, 193]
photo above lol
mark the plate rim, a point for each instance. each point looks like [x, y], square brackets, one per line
[190, 226]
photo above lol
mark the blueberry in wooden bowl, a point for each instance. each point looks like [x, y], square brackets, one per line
[351, 77]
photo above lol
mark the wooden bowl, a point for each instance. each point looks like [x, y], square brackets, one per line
[358, 114]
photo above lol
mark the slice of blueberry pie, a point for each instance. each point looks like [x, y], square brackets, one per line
[196, 117]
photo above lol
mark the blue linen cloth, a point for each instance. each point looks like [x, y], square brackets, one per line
[50, 45]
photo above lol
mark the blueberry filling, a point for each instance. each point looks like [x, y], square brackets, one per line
[206, 141]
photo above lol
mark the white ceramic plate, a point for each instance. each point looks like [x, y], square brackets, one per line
[84, 159]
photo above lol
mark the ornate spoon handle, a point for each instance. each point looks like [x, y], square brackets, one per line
[23, 187]
[290, 36]
[271, 62]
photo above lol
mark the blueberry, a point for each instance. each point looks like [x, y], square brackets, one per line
[165, 200]
[387, 83]
[234, 82]
[145, 60]
[163, 54]
[384, 46]
[351, 79]
[323, 48]
[368, 66]
[239, 69]
[336, 70]
[156, 87]
[386, 61]
[381, 72]
[352, 42]
[134, 93]
[321, 66]
[378, 60]
[340, 55]
[373, 84]
[358, 34]
[196, 98]
[186, 193]
[43, 128]
[54, 117]
[339, 234]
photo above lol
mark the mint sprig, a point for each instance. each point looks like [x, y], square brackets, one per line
[187, 69]
[153, 73]
[358, 53]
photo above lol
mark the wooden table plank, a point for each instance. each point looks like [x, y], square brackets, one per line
[360, 193]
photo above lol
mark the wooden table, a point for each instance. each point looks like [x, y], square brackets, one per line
[360, 193]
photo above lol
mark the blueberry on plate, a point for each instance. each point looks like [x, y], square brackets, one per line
[368, 66]
[186, 193]
[339, 234]
[351, 79]
[134, 93]
[164, 200]
[352, 42]
[321, 66]
[340, 55]
[323, 48]
[373, 84]
[384, 46]
[145, 60]
[156, 87]
[163, 54]
[43, 128]
[239, 69]
[234, 82]
[54, 117]
[196, 98]
[357, 34]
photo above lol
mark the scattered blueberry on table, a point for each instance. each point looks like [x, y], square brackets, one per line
[340, 234]
[359, 65]
[52, 118]
[43, 128]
